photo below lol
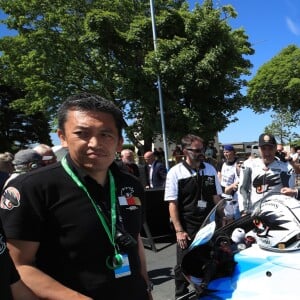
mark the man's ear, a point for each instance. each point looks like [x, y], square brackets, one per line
[62, 138]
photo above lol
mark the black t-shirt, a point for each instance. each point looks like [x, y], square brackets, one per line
[47, 206]
[8, 273]
[3, 177]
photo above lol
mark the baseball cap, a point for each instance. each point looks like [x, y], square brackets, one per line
[228, 148]
[26, 156]
[266, 139]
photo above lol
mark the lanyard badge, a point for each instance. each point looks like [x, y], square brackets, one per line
[116, 261]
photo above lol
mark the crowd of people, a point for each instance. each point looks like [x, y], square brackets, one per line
[194, 186]
[72, 226]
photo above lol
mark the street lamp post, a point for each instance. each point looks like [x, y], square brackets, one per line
[159, 89]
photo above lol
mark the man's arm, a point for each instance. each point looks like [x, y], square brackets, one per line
[162, 171]
[295, 165]
[174, 215]
[23, 254]
[220, 208]
[21, 292]
[144, 272]
[181, 235]
[245, 189]
[292, 192]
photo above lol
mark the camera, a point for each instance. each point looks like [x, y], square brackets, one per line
[124, 240]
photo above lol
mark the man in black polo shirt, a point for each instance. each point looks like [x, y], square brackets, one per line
[73, 227]
[192, 190]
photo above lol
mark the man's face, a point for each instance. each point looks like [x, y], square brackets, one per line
[92, 139]
[128, 157]
[194, 153]
[267, 153]
[229, 155]
[279, 148]
[149, 158]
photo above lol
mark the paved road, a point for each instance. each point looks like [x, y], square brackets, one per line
[160, 268]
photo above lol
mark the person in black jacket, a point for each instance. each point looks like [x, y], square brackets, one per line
[156, 172]
[127, 162]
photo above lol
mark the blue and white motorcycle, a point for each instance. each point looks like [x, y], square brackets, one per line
[255, 257]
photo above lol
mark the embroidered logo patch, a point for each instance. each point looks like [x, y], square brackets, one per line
[127, 197]
[10, 198]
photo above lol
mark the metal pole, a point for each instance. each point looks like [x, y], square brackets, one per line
[159, 90]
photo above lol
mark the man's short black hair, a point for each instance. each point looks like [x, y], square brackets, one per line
[90, 102]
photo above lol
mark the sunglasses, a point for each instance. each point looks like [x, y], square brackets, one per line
[195, 150]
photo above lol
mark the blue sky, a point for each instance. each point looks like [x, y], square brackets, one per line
[271, 26]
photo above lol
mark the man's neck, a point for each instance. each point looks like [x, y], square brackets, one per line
[193, 164]
[99, 176]
[268, 162]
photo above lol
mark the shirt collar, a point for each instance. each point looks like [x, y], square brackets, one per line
[82, 174]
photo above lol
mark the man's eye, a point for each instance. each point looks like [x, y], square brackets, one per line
[81, 134]
[106, 135]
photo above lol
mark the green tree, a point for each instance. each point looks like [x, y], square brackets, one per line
[19, 130]
[105, 46]
[276, 85]
[283, 125]
[200, 61]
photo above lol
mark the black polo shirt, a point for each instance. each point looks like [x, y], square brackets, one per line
[47, 206]
[8, 273]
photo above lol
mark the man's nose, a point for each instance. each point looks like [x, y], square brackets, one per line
[95, 141]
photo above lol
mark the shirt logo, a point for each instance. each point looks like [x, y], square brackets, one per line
[10, 198]
[127, 197]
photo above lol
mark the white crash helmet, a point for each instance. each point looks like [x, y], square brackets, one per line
[277, 221]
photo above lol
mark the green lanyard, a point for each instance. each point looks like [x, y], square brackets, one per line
[117, 259]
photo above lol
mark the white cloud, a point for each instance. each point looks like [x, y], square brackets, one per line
[292, 26]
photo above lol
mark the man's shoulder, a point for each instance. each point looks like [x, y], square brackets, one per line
[123, 177]
[252, 162]
[281, 164]
[42, 174]
[159, 165]
[179, 171]
[210, 167]
[134, 166]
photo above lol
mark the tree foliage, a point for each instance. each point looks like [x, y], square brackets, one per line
[283, 126]
[106, 47]
[276, 85]
[19, 130]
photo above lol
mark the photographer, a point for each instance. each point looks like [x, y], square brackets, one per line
[73, 227]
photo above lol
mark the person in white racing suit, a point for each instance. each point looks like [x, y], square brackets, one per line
[263, 175]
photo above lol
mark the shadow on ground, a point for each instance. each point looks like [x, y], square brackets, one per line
[159, 276]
